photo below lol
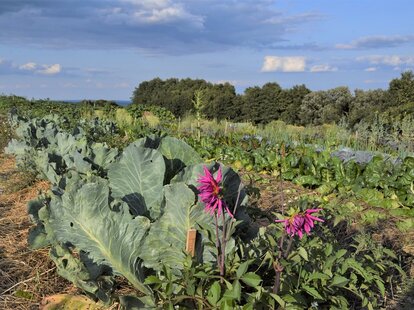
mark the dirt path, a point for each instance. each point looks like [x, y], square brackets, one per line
[26, 275]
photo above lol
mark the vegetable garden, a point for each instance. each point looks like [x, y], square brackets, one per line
[123, 199]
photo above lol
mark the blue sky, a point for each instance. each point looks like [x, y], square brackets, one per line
[77, 49]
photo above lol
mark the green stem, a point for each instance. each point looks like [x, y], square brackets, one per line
[218, 244]
[276, 265]
[300, 271]
[223, 246]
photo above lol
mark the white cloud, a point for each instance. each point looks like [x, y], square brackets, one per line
[148, 3]
[294, 19]
[284, 64]
[323, 68]
[157, 27]
[371, 69]
[50, 69]
[151, 12]
[30, 66]
[377, 42]
[388, 60]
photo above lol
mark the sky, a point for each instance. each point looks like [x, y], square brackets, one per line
[103, 49]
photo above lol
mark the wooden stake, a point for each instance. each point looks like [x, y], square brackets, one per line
[191, 240]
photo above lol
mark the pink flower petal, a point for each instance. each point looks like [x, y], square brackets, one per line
[312, 210]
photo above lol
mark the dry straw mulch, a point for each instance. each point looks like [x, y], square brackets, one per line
[26, 275]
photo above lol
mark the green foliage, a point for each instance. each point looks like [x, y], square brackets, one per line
[180, 213]
[126, 214]
[82, 217]
[119, 210]
[137, 178]
[318, 271]
[83, 272]
[177, 95]
[325, 106]
[401, 91]
[165, 116]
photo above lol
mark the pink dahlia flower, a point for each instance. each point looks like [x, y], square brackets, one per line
[297, 223]
[211, 193]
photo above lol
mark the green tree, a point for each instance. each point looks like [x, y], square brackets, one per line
[177, 96]
[365, 104]
[401, 91]
[261, 103]
[325, 106]
[290, 102]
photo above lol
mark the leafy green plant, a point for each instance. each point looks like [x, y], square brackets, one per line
[126, 213]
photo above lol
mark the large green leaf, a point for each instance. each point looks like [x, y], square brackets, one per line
[66, 143]
[166, 241]
[177, 155]
[233, 192]
[102, 155]
[83, 217]
[17, 147]
[38, 237]
[75, 161]
[47, 167]
[83, 273]
[137, 178]
[231, 183]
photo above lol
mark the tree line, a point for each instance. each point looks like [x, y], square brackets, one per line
[297, 105]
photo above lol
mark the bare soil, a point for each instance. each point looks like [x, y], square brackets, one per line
[268, 194]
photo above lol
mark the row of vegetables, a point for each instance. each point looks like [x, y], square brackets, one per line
[126, 213]
[379, 180]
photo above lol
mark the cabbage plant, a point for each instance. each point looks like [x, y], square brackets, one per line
[130, 218]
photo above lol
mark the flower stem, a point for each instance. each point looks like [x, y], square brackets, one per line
[286, 254]
[219, 252]
[276, 265]
[223, 246]
[278, 271]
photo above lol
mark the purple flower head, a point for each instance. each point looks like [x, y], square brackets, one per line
[211, 193]
[299, 222]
